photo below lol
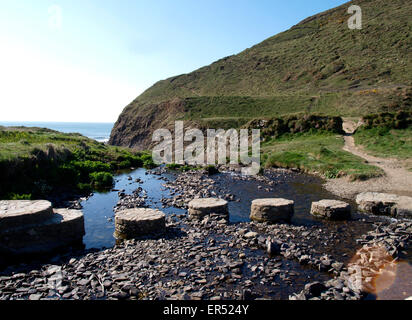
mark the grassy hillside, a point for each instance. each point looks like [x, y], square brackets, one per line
[319, 153]
[36, 163]
[318, 66]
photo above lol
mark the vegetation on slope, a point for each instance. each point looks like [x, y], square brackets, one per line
[318, 66]
[316, 152]
[36, 162]
[387, 135]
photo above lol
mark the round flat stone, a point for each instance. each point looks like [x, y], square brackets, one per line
[139, 222]
[62, 228]
[272, 210]
[331, 209]
[199, 208]
[15, 213]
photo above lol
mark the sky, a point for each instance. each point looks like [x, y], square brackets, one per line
[85, 60]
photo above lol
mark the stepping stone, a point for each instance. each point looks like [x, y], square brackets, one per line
[16, 213]
[62, 228]
[331, 210]
[385, 204]
[272, 210]
[199, 208]
[138, 223]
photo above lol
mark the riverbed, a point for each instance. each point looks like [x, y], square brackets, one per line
[209, 259]
[99, 211]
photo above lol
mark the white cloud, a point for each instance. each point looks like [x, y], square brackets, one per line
[35, 88]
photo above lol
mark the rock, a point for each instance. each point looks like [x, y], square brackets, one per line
[331, 209]
[315, 288]
[304, 259]
[199, 208]
[35, 296]
[251, 235]
[272, 210]
[60, 229]
[139, 222]
[385, 204]
[18, 213]
[246, 295]
[272, 248]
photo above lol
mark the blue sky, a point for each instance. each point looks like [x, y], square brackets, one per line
[85, 60]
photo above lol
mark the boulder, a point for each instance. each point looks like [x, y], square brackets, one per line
[138, 223]
[199, 208]
[272, 210]
[385, 204]
[331, 210]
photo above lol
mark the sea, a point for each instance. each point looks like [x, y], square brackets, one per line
[93, 130]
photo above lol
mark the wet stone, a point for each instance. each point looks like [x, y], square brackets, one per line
[139, 222]
[61, 228]
[272, 210]
[199, 208]
[385, 204]
[16, 213]
[331, 210]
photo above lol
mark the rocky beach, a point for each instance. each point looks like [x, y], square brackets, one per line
[215, 259]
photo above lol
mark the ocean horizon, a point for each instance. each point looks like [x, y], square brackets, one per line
[99, 131]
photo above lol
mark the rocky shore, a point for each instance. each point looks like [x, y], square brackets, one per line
[208, 259]
[217, 260]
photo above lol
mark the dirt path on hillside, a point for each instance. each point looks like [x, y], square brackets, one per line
[397, 179]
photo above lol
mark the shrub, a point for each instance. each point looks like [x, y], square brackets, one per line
[136, 161]
[148, 161]
[124, 164]
[85, 168]
[84, 188]
[101, 179]
[398, 120]
[14, 196]
[173, 166]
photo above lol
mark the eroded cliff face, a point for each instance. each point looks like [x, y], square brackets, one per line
[135, 129]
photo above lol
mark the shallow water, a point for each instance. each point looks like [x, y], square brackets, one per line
[98, 209]
[303, 189]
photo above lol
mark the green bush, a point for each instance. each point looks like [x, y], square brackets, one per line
[89, 166]
[101, 179]
[148, 161]
[389, 120]
[173, 166]
[67, 174]
[14, 196]
[125, 164]
[84, 188]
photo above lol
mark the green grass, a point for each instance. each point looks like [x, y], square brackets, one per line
[319, 153]
[386, 142]
[36, 162]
